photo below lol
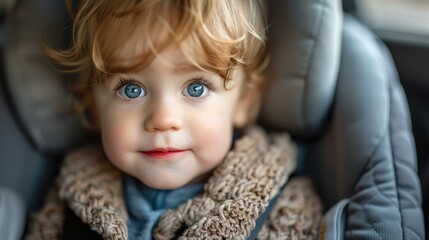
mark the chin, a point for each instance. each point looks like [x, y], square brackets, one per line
[165, 185]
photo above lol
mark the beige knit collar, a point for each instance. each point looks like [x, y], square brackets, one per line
[92, 188]
[233, 198]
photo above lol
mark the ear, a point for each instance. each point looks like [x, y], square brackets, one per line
[247, 106]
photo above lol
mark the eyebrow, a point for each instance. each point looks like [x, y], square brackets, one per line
[186, 68]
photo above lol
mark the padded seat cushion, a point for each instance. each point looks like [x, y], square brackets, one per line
[304, 44]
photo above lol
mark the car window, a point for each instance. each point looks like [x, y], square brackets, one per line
[401, 20]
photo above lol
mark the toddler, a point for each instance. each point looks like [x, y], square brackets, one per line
[173, 87]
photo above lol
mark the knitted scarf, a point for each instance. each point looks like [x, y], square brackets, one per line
[236, 194]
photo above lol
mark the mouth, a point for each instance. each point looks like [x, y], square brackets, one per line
[163, 153]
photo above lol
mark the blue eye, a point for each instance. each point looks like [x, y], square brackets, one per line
[131, 91]
[196, 90]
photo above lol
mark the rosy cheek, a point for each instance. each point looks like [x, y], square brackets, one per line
[114, 137]
[216, 137]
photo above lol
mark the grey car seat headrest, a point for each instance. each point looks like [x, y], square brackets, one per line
[304, 43]
[39, 93]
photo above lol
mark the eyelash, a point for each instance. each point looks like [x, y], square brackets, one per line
[125, 81]
[201, 80]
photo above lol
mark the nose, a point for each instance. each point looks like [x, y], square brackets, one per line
[163, 115]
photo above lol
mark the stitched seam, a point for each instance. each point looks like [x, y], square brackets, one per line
[393, 153]
[396, 180]
[367, 219]
[411, 231]
[317, 32]
[365, 166]
[380, 191]
[362, 173]
[371, 223]
[394, 81]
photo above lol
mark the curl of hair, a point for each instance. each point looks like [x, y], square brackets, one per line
[214, 35]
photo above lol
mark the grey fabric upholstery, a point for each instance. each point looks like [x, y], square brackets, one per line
[23, 168]
[305, 41]
[333, 224]
[12, 215]
[47, 112]
[393, 210]
[367, 152]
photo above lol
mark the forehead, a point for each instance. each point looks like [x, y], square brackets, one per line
[175, 60]
[133, 44]
[179, 57]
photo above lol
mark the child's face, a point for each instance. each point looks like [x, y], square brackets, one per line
[171, 123]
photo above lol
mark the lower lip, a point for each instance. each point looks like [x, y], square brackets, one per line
[164, 155]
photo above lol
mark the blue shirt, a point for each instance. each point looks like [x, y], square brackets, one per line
[145, 205]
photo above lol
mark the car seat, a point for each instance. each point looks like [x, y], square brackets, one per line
[333, 86]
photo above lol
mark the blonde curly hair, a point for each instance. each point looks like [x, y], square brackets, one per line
[223, 33]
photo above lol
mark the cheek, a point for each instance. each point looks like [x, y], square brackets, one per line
[117, 135]
[214, 134]
[112, 135]
[214, 130]
[216, 124]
